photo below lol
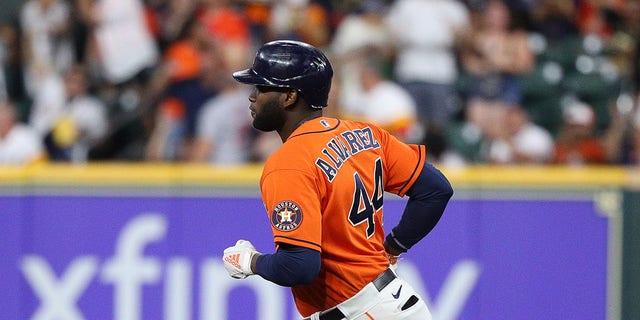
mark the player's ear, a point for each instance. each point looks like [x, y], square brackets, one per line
[290, 97]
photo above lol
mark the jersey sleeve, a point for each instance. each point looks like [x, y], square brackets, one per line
[291, 200]
[403, 163]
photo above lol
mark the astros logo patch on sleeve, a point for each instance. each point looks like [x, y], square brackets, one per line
[286, 216]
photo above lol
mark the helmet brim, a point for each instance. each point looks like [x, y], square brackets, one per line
[248, 76]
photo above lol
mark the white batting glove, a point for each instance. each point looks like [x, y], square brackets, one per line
[237, 259]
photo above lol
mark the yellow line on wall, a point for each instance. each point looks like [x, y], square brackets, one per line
[160, 174]
[541, 176]
[109, 174]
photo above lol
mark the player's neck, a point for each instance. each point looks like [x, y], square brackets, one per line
[296, 122]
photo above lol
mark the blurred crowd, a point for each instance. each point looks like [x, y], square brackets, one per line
[477, 81]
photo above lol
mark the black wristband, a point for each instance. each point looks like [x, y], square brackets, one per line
[395, 244]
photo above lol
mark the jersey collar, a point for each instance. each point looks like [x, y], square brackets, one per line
[316, 125]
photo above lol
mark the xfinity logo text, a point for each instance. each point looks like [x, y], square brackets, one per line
[131, 273]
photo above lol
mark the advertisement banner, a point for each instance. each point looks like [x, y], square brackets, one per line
[159, 257]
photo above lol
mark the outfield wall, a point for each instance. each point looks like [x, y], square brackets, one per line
[129, 242]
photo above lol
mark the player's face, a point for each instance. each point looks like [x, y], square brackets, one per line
[266, 110]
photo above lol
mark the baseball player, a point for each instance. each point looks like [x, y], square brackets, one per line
[323, 190]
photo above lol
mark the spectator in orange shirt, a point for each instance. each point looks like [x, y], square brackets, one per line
[179, 90]
[229, 27]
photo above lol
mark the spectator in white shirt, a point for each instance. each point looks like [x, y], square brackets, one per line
[426, 34]
[383, 102]
[19, 143]
[357, 35]
[519, 141]
[47, 42]
[124, 45]
[68, 117]
[224, 132]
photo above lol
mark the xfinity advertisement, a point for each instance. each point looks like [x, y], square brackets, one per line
[159, 257]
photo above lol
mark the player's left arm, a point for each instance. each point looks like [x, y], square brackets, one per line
[428, 198]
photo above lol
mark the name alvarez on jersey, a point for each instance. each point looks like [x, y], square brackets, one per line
[342, 147]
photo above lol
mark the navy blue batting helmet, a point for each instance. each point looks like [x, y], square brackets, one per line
[291, 64]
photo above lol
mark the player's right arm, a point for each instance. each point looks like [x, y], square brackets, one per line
[287, 188]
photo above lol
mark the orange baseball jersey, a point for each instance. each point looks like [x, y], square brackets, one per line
[323, 190]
